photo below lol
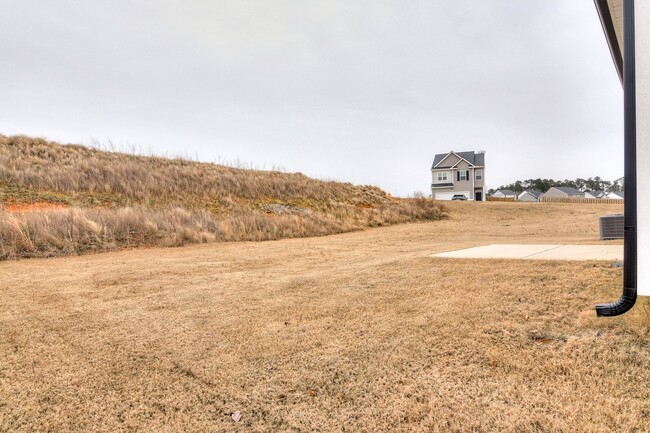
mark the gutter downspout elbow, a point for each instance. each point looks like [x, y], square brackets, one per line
[623, 305]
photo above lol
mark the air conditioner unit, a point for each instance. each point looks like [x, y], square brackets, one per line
[612, 226]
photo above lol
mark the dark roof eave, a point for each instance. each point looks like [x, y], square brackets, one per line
[610, 34]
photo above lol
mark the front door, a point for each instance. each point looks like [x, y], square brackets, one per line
[478, 196]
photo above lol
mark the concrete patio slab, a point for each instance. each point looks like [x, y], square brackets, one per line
[538, 252]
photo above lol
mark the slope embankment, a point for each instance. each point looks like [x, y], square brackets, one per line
[69, 199]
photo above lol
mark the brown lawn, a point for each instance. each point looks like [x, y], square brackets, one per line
[360, 332]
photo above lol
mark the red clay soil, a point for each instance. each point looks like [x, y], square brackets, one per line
[32, 207]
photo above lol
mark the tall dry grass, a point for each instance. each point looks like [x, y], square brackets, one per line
[118, 200]
[38, 164]
[80, 230]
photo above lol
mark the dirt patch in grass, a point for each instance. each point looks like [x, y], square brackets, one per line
[34, 207]
[357, 332]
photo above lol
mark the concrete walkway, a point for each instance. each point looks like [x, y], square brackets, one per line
[539, 252]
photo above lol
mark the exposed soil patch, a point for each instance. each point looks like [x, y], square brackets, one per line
[34, 207]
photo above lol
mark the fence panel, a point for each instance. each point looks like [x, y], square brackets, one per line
[581, 200]
[500, 198]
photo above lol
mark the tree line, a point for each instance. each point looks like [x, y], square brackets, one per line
[543, 185]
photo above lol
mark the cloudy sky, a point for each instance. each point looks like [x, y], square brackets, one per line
[360, 91]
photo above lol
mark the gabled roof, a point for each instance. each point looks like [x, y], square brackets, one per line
[505, 192]
[568, 190]
[595, 193]
[535, 193]
[621, 194]
[476, 159]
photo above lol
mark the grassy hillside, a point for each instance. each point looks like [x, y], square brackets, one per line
[70, 199]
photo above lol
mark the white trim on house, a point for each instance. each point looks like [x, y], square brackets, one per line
[500, 194]
[527, 196]
[594, 194]
[462, 159]
[457, 156]
[615, 195]
[442, 160]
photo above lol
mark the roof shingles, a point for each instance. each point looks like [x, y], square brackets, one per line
[474, 158]
[568, 190]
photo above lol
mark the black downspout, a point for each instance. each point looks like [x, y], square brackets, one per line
[627, 300]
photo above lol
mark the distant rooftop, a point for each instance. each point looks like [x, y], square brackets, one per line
[568, 190]
[535, 193]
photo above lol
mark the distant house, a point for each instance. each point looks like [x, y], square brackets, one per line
[594, 194]
[504, 193]
[616, 195]
[458, 173]
[529, 195]
[563, 192]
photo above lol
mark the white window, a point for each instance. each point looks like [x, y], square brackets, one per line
[462, 175]
[442, 176]
[479, 174]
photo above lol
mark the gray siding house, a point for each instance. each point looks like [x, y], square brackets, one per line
[504, 193]
[594, 194]
[530, 195]
[455, 173]
[616, 195]
[564, 192]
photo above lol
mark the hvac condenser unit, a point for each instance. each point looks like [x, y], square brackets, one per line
[612, 226]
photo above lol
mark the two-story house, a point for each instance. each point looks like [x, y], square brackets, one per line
[458, 173]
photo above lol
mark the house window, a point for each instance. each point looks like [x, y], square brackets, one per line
[442, 177]
[479, 174]
[462, 175]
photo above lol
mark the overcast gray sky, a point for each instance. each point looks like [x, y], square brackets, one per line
[359, 91]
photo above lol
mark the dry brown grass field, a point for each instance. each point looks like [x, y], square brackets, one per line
[356, 332]
[68, 199]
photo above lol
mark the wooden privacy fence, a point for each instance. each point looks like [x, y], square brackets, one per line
[581, 200]
[500, 198]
